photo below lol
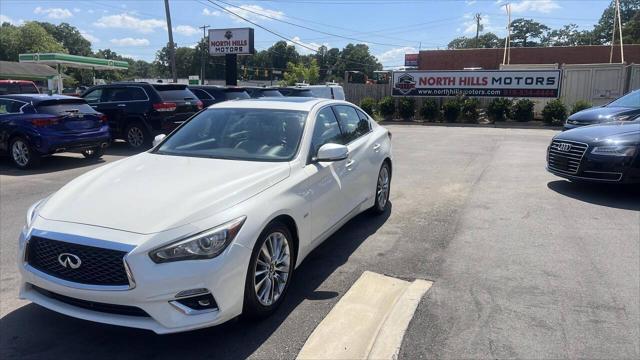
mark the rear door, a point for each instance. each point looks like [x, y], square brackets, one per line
[74, 115]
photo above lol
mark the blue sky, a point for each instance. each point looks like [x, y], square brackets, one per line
[138, 29]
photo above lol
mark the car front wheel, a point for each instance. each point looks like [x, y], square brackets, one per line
[270, 271]
[22, 154]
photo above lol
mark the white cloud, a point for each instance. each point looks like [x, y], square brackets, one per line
[90, 11]
[53, 13]
[76, 10]
[127, 21]
[303, 50]
[395, 57]
[248, 11]
[134, 57]
[91, 38]
[186, 30]
[207, 12]
[541, 6]
[6, 19]
[129, 41]
[470, 2]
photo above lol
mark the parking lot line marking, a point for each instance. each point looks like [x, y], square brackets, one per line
[369, 321]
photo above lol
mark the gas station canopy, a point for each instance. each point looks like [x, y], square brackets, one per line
[75, 61]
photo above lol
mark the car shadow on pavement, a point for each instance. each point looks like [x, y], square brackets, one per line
[611, 195]
[34, 332]
[64, 161]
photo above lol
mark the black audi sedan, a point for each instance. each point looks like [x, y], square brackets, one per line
[608, 152]
[624, 108]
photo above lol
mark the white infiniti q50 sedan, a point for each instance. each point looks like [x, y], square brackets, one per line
[212, 221]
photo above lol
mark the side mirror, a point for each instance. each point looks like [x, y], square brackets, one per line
[332, 152]
[158, 139]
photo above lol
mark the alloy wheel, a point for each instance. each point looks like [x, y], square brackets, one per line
[20, 152]
[272, 269]
[135, 136]
[382, 189]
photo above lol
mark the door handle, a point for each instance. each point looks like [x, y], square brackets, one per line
[349, 164]
[376, 147]
[122, 105]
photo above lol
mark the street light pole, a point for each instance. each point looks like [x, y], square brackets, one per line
[172, 51]
[204, 54]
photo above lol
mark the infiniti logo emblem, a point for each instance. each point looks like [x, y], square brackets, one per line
[69, 260]
[564, 147]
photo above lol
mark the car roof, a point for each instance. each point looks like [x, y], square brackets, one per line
[279, 103]
[16, 82]
[36, 98]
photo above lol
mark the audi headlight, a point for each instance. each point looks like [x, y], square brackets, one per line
[205, 245]
[615, 150]
[33, 212]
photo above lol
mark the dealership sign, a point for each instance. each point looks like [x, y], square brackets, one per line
[498, 83]
[237, 41]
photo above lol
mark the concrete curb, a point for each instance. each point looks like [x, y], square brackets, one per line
[368, 322]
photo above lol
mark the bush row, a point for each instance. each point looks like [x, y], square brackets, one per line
[465, 109]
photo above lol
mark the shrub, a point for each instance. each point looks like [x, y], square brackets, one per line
[451, 110]
[368, 104]
[523, 110]
[429, 110]
[499, 109]
[406, 108]
[580, 105]
[387, 107]
[470, 109]
[554, 113]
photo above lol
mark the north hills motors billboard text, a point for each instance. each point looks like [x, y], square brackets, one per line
[237, 41]
[494, 83]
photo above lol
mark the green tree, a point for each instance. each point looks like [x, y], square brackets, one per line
[631, 30]
[69, 36]
[568, 35]
[487, 40]
[357, 58]
[525, 32]
[297, 73]
[28, 38]
[602, 31]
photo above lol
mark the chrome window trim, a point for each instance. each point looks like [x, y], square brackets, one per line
[81, 240]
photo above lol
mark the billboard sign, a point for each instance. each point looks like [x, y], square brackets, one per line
[410, 59]
[492, 83]
[237, 41]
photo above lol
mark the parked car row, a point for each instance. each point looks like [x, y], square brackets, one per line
[33, 126]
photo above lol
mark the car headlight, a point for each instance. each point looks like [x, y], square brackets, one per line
[205, 245]
[615, 150]
[33, 212]
[620, 117]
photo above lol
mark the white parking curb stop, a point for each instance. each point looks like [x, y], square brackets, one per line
[369, 321]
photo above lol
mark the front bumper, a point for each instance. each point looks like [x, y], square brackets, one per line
[155, 287]
[604, 169]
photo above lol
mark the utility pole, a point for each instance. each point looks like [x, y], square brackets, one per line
[613, 33]
[204, 53]
[506, 57]
[172, 50]
[620, 31]
[478, 18]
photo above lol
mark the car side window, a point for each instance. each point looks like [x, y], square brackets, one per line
[326, 130]
[364, 124]
[94, 96]
[201, 94]
[350, 123]
[136, 93]
[8, 106]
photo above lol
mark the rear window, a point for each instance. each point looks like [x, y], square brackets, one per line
[232, 95]
[271, 93]
[28, 89]
[9, 89]
[338, 93]
[174, 92]
[322, 92]
[64, 107]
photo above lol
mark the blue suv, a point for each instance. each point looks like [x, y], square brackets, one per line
[33, 126]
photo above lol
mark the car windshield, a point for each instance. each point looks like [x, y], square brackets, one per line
[631, 100]
[239, 134]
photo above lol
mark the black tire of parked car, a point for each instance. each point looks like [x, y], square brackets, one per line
[382, 204]
[30, 157]
[252, 308]
[95, 153]
[137, 135]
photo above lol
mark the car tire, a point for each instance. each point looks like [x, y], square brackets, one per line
[22, 153]
[264, 291]
[383, 189]
[137, 136]
[95, 153]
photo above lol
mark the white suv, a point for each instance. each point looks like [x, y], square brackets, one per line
[212, 221]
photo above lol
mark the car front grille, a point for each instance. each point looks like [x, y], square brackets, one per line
[98, 266]
[92, 305]
[565, 156]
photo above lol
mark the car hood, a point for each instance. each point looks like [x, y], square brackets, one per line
[149, 193]
[601, 114]
[603, 131]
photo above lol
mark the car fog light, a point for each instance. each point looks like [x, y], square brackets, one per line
[196, 304]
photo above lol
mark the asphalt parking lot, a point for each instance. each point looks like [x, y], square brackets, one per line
[524, 263]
